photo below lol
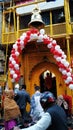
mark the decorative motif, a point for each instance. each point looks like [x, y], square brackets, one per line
[39, 36]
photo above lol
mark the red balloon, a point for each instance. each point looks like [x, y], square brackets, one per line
[52, 49]
[18, 40]
[17, 60]
[61, 65]
[17, 79]
[18, 44]
[14, 56]
[46, 41]
[64, 77]
[17, 72]
[25, 41]
[11, 75]
[28, 33]
[34, 30]
[19, 50]
[12, 51]
[58, 63]
[11, 66]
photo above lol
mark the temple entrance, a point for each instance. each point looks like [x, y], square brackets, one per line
[39, 72]
[51, 81]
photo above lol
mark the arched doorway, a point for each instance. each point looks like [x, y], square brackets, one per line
[43, 87]
[40, 69]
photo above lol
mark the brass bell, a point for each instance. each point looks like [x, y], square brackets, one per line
[36, 19]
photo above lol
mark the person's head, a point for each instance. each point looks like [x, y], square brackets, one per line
[60, 97]
[37, 88]
[47, 99]
[23, 86]
[9, 93]
[47, 74]
[17, 86]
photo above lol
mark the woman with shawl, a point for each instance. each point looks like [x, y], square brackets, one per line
[11, 110]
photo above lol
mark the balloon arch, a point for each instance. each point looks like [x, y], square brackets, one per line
[39, 36]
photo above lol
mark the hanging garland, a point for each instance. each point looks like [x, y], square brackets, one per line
[39, 36]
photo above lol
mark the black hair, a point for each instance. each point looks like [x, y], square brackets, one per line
[23, 86]
[37, 88]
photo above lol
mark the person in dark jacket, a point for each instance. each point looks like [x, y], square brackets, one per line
[22, 98]
[54, 117]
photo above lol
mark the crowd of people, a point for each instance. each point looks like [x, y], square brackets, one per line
[46, 112]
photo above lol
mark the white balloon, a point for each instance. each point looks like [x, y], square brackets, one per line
[12, 72]
[60, 50]
[58, 59]
[40, 36]
[22, 42]
[54, 42]
[64, 72]
[22, 37]
[13, 62]
[15, 46]
[17, 53]
[49, 45]
[57, 47]
[71, 86]
[69, 79]
[16, 65]
[14, 76]
[64, 56]
[42, 31]
[60, 69]
[66, 64]
[68, 74]
[11, 58]
[63, 61]
[66, 81]
[24, 34]
[39, 40]
[45, 36]
[33, 36]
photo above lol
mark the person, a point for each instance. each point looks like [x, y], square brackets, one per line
[42, 83]
[63, 103]
[36, 108]
[48, 82]
[2, 104]
[16, 89]
[11, 110]
[54, 117]
[22, 98]
[68, 99]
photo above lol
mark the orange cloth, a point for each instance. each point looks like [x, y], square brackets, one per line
[11, 109]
